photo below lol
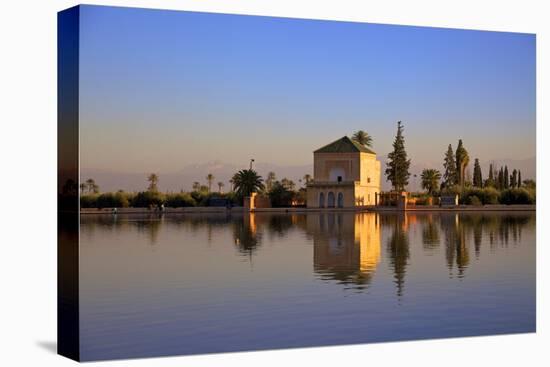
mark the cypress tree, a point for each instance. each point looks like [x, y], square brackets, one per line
[491, 180]
[478, 177]
[450, 175]
[506, 178]
[519, 179]
[462, 160]
[397, 171]
[501, 178]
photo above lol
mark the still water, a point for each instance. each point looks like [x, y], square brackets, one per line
[154, 285]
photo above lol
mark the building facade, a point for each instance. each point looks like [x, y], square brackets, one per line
[346, 174]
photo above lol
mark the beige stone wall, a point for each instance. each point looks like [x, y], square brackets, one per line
[366, 195]
[348, 162]
[370, 170]
[314, 192]
[363, 168]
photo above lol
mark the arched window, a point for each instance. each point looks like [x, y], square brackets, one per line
[340, 200]
[322, 200]
[330, 200]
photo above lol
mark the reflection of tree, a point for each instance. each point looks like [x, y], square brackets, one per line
[430, 234]
[398, 251]
[151, 226]
[279, 225]
[456, 249]
[246, 237]
[478, 236]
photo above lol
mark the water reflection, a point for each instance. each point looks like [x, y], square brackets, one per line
[346, 246]
[246, 235]
[148, 282]
[398, 247]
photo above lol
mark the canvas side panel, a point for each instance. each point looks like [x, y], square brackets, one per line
[68, 341]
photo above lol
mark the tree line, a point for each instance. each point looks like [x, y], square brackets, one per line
[502, 186]
[284, 192]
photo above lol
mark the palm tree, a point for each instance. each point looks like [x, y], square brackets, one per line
[307, 178]
[210, 178]
[430, 180]
[153, 179]
[363, 138]
[288, 184]
[270, 180]
[247, 181]
[220, 186]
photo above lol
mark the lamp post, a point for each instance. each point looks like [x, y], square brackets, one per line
[252, 160]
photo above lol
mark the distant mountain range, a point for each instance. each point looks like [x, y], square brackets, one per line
[183, 179]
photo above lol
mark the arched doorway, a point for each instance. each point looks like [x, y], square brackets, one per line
[340, 200]
[322, 200]
[330, 200]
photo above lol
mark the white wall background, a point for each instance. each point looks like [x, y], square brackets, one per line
[28, 166]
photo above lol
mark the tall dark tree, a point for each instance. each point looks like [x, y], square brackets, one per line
[397, 171]
[501, 179]
[478, 177]
[450, 175]
[519, 179]
[462, 161]
[490, 182]
[506, 178]
[514, 179]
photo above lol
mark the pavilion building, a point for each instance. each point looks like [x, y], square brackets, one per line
[346, 174]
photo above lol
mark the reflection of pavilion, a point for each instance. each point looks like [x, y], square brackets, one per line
[346, 246]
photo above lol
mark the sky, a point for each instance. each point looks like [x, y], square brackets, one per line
[162, 90]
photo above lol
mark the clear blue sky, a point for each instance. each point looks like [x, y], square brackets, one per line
[163, 89]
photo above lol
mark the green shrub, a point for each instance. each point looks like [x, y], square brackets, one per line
[113, 200]
[180, 200]
[88, 201]
[146, 199]
[235, 198]
[474, 200]
[490, 196]
[198, 196]
[485, 196]
[517, 196]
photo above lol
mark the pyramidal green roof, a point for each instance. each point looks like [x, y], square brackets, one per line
[344, 145]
